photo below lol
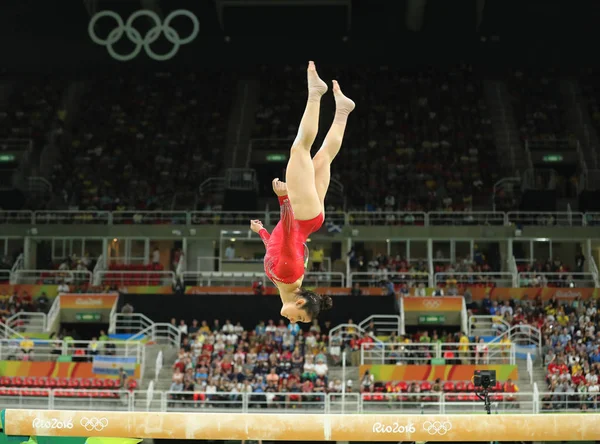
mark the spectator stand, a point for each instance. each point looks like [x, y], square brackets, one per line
[28, 322]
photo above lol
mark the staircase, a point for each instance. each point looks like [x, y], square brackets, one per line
[26, 322]
[578, 120]
[511, 152]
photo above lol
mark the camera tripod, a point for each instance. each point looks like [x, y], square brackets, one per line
[485, 397]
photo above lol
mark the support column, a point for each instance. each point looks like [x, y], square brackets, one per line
[146, 251]
[415, 10]
[348, 271]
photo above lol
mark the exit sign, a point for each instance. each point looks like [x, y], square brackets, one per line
[88, 317]
[432, 320]
[552, 158]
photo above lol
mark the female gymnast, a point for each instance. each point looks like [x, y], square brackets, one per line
[302, 203]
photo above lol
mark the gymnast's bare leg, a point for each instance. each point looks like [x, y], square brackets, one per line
[300, 172]
[332, 143]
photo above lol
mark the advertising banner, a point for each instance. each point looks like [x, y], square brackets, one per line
[53, 369]
[88, 307]
[432, 372]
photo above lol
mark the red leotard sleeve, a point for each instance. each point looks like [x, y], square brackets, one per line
[265, 236]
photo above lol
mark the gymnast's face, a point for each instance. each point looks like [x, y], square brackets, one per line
[294, 312]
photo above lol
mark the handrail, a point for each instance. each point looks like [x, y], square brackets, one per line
[349, 329]
[7, 332]
[26, 322]
[25, 276]
[321, 402]
[352, 218]
[383, 353]
[394, 321]
[112, 317]
[505, 326]
[556, 277]
[159, 331]
[522, 334]
[530, 368]
[462, 278]
[53, 315]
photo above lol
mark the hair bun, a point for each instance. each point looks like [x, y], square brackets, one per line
[326, 302]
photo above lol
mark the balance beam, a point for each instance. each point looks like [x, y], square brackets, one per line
[303, 427]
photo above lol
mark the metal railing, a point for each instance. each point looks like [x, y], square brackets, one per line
[66, 399]
[52, 276]
[423, 353]
[53, 316]
[529, 367]
[32, 322]
[500, 279]
[466, 218]
[80, 351]
[150, 218]
[383, 325]
[568, 401]
[568, 219]
[141, 327]
[156, 278]
[565, 279]
[487, 325]
[247, 278]
[408, 402]
[526, 338]
[375, 279]
[72, 217]
[361, 218]
[352, 218]
[5, 276]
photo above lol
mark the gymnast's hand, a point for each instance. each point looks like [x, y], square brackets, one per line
[279, 187]
[256, 225]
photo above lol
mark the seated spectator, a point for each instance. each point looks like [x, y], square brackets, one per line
[177, 381]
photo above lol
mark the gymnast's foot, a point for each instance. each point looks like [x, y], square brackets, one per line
[316, 86]
[343, 105]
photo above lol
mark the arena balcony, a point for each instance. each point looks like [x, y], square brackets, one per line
[334, 219]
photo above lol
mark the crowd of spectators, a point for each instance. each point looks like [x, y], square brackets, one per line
[429, 141]
[279, 364]
[591, 90]
[32, 108]
[550, 273]
[15, 302]
[571, 348]
[537, 105]
[139, 139]
[570, 344]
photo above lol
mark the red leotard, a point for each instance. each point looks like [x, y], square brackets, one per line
[284, 261]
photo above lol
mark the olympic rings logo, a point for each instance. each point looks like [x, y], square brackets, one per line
[437, 427]
[93, 423]
[431, 303]
[150, 37]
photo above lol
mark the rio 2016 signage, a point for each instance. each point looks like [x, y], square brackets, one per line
[143, 41]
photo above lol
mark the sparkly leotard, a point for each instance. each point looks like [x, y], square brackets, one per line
[286, 246]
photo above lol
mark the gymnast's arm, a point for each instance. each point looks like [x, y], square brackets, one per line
[265, 236]
[257, 227]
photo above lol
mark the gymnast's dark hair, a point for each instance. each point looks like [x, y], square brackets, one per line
[315, 303]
